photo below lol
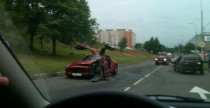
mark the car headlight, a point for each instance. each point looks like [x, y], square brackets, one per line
[199, 63]
[164, 59]
[156, 59]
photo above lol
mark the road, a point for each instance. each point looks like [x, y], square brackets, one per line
[142, 78]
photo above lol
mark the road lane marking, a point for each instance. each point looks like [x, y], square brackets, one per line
[138, 81]
[126, 89]
[200, 91]
[147, 75]
[156, 69]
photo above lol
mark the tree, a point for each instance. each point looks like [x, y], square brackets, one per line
[138, 46]
[153, 46]
[70, 22]
[26, 13]
[179, 49]
[188, 47]
[67, 21]
[123, 43]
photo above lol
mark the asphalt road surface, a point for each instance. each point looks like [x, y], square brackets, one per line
[144, 79]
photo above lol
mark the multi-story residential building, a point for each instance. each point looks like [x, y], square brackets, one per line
[113, 36]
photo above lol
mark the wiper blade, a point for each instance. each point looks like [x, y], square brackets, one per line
[169, 98]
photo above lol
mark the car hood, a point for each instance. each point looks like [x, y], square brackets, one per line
[81, 63]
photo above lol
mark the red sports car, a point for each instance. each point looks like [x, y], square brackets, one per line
[92, 65]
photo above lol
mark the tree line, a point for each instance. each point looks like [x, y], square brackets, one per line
[67, 21]
[154, 46]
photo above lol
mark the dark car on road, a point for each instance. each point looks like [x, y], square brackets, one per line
[161, 60]
[189, 63]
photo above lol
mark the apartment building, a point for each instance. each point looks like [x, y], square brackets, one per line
[113, 36]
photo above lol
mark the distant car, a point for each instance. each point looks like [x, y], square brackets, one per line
[189, 63]
[161, 60]
[174, 59]
[92, 65]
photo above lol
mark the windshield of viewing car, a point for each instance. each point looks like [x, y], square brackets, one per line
[43, 35]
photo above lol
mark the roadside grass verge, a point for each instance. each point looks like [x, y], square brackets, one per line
[205, 66]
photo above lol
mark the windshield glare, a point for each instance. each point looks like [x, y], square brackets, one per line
[132, 33]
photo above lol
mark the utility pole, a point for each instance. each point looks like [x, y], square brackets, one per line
[195, 36]
[202, 37]
[201, 20]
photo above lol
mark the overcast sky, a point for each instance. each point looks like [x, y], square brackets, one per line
[169, 20]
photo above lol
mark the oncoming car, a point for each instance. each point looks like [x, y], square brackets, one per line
[161, 60]
[92, 65]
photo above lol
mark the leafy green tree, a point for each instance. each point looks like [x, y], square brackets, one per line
[138, 46]
[70, 21]
[122, 44]
[67, 21]
[188, 47]
[26, 14]
[153, 46]
[179, 49]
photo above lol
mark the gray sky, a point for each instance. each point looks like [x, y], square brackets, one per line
[169, 20]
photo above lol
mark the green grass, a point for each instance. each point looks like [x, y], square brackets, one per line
[205, 66]
[42, 61]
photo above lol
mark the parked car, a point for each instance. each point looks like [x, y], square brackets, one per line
[189, 63]
[91, 65]
[161, 60]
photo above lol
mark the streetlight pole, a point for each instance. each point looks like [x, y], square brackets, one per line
[182, 45]
[202, 37]
[195, 28]
[201, 19]
[195, 36]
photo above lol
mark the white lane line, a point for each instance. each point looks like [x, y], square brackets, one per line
[138, 81]
[147, 75]
[126, 89]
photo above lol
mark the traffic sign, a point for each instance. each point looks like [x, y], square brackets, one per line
[202, 44]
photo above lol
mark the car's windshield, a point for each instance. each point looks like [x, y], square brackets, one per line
[95, 57]
[162, 54]
[132, 33]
